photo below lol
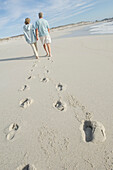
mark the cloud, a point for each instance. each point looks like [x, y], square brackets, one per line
[3, 21]
[73, 11]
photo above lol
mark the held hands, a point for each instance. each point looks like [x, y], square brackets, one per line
[36, 34]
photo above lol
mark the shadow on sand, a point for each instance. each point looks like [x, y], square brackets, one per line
[18, 58]
[21, 58]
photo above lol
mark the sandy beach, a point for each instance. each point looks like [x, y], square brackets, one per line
[57, 113]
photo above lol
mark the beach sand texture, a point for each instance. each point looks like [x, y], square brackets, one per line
[56, 113]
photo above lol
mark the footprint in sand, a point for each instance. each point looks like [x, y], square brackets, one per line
[13, 126]
[44, 80]
[61, 106]
[34, 65]
[12, 131]
[30, 77]
[25, 87]
[26, 167]
[47, 71]
[50, 59]
[93, 131]
[32, 70]
[26, 102]
[88, 115]
[60, 87]
[88, 129]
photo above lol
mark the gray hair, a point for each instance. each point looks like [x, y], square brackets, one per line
[40, 14]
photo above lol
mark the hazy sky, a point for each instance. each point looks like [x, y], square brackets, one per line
[57, 12]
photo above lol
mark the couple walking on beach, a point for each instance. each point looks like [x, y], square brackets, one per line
[40, 29]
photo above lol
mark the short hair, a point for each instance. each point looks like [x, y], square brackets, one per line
[27, 21]
[40, 14]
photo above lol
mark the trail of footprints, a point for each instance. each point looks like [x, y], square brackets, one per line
[91, 131]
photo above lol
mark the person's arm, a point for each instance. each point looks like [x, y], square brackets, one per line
[49, 30]
[26, 37]
[48, 26]
[36, 33]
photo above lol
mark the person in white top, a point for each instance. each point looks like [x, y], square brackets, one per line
[30, 36]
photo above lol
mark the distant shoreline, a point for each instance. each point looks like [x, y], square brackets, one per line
[64, 26]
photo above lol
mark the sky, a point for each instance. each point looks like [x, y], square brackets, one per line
[57, 12]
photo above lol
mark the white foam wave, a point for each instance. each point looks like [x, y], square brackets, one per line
[104, 28]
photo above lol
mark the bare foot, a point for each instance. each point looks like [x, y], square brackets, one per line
[50, 55]
[37, 57]
[46, 54]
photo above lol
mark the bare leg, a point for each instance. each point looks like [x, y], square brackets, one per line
[36, 46]
[49, 49]
[45, 48]
[34, 50]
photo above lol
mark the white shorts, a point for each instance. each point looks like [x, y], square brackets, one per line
[45, 39]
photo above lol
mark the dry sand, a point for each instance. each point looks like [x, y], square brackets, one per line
[56, 113]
